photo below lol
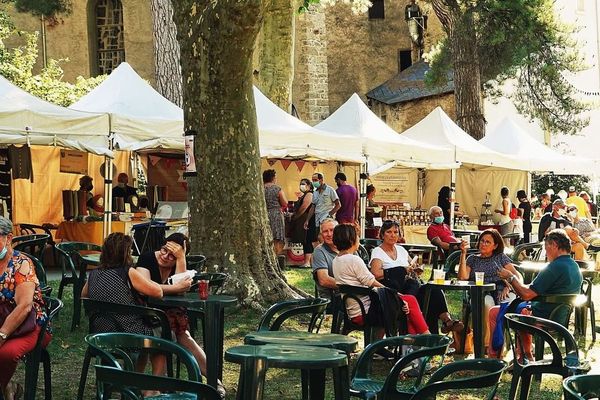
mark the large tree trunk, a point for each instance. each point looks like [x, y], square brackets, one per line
[458, 25]
[228, 217]
[166, 51]
[467, 80]
[274, 58]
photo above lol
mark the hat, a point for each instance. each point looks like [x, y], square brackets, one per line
[558, 202]
[571, 189]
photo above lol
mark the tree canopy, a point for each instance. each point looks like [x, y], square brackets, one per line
[520, 40]
[17, 64]
[42, 7]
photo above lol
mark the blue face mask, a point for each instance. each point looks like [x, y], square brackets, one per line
[438, 220]
[3, 253]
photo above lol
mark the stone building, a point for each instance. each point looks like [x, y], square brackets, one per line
[337, 53]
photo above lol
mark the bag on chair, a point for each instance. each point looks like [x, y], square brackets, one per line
[28, 324]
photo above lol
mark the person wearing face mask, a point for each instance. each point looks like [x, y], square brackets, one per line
[122, 190]
[298, 234]
[325, 199]
[439, 233]
[557, 219]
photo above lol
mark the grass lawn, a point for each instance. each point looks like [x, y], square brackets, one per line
[67, 350]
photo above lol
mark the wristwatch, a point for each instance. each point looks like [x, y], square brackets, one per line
[3, 336]
[512, 278]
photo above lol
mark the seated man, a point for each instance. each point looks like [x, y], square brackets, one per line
[322, 261]
[561, 276]
[440, 234]
[557, 219]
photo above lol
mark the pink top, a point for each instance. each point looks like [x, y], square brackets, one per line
[349, 269]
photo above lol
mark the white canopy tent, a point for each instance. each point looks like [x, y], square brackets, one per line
[140, 117]
[25, 118]
[509, 138]
[384, 147]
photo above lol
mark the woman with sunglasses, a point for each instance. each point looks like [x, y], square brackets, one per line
[391, 266]
[159, 266]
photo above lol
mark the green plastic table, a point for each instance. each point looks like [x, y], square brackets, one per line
[344, 343]
[477, 293]
[214, 321]
[255, 360]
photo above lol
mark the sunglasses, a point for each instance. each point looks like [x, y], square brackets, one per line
[165, 252]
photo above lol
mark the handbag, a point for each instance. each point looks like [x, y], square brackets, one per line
[28, 324]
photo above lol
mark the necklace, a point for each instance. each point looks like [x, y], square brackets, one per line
[393, 253]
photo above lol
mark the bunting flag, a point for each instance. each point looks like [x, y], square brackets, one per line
[300, 164]
[154, 160]
[286, 164]
[271, 162]
[170, 161]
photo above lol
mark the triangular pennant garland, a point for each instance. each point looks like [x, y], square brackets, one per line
[300, 164]
[286, 164]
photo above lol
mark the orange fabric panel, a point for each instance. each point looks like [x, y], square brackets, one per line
[41, 201]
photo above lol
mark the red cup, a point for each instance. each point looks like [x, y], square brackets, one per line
[203, 289]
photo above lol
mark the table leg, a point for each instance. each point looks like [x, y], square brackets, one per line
[252, 378]
[427, 296]
[316, 384]
[341, 383]
[214, 325]
[478, 307]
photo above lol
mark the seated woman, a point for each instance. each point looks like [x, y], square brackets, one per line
[390, 266]
[158, 266]
[349, 269]
[490, 260]
[116, 281]
[20, 292]
[586, 228]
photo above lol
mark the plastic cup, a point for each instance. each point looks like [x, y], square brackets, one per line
[439, 276]
[203, 289]
[479, 278]
[467, 238]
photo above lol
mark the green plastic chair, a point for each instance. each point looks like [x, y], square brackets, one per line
[195, 261]
[96, 309]
[347, 293]
[39, 354]
[279, 313]
[533, 248]
[118, 350]
[365, 385]
[562, 363]
[452, 262]
[74, 271]
[491, 369]
[31, 244]
[130, 385]
[582, 387]
[364, 254]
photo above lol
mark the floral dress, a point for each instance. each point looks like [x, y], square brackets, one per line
[13, 277]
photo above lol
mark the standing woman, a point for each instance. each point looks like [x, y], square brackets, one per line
[506, 225]
[297, 233]
[19, 290]
[275, 199]
[525, 214]
[444, 203]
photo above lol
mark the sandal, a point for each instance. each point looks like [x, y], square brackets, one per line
[452, 325]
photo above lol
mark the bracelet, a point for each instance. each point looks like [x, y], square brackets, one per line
[511, 278]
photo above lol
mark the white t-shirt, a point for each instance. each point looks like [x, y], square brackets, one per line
[388, 262]
[504, 219]
[349, 269]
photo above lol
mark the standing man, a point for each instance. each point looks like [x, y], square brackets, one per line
[348, 195]
[325, 199]
[583, 210]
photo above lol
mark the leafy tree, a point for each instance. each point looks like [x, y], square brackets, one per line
[541, 183]
[42, 7]
[491, 41]
[17, 65]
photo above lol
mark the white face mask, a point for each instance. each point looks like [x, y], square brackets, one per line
[573, 213]
[303, 188]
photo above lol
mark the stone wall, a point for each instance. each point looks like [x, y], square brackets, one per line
[402, 116]
[70, 36]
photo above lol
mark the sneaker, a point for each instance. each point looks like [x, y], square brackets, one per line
[383, 354]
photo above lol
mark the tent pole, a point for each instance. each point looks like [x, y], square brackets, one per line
[108, 173]
[363, 198]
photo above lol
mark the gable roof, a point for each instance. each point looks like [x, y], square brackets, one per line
[408, 85]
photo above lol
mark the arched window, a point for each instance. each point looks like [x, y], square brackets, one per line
[110, 40]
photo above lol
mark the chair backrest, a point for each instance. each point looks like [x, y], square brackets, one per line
[546, 330]
[491, 372]
[64, 261]
[364, 254]
[132, 383]
[280, 312]
[582, 387]
[31, 229]
[53, 306]
[69, 255]
[426, 347]
[79, 247]
[195, 261]
[110, 311]
[521, 251]
[32, 244]
[453, 260]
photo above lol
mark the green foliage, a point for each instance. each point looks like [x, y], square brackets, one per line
[17, 65]
[522, 40]
[42, 7]
[541, 183]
